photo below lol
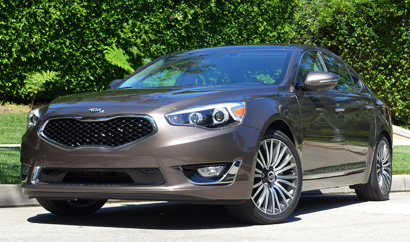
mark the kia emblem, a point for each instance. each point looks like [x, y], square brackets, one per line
[96, 110]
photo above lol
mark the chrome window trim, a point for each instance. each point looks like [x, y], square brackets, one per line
[98, 119]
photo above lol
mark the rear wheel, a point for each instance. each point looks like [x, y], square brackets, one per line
[379, 184]
[71, 207]
[277, 182]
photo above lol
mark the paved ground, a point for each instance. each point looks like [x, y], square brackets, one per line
[317, 218]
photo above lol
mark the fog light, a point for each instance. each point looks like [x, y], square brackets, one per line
[210, 171]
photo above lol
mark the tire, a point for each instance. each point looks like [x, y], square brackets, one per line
[277, 182]
[379, 184]
[71, 207]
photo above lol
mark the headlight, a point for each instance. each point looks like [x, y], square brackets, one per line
[210, 116]
[33, 117]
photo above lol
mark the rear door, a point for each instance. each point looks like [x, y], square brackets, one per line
[360, 126]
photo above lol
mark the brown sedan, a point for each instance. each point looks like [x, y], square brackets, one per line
[246, 126]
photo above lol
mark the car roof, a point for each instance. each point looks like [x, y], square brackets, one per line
[301, 48]
[254, 47]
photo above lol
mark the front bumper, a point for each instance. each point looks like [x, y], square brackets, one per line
[170, 149]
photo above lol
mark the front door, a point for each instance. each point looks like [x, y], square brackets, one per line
[322, 125]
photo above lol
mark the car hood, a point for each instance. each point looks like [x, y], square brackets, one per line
[171, 97]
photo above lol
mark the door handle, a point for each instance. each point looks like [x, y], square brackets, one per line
[369, 107]
[339, 110]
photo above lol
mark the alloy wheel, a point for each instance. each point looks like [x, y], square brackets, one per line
[275, 180]
[383, 164]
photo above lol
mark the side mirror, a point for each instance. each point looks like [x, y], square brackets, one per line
[114, 83]
[317, 80]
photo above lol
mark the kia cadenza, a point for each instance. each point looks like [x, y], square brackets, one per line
[249, 127]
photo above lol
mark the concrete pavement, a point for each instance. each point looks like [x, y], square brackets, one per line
[317, 218]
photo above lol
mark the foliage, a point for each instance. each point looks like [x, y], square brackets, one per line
[118, 57]
[75, 37]
[372, 36]
[69, 36]
[35, 82]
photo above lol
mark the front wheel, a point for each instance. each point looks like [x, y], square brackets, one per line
[277, 182]
[71, 207]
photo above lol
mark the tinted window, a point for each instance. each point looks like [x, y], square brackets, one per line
[356, 80]
[256, 67]
[310, 62]
[337, 67]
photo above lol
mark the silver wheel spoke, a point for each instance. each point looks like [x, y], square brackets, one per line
[386, 175]
[276, 151]
[260, 163]
[257, 184]
[282, 152]
[257, 192]
[277, 200]
[284, 190]
[387, 163]
[266, 200]
[262, 197]
[286, 168]
[386, 158]
[293, 176]
[286, 182]
[267, 154]
[283, 196]
[273, 201]
[271, 153]
[262, 159]
[285, 161]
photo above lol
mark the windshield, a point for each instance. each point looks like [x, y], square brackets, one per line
[248, 67]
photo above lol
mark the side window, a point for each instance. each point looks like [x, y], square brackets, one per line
[310, 62]
[356, 80]
[337, 67]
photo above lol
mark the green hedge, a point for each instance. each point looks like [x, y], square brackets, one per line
[69, 37]
[372, 36]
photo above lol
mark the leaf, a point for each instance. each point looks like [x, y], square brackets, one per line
[35, 81]
[117, 56]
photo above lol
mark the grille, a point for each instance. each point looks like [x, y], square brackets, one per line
[105, 133]
[90, 176]
[97, 177]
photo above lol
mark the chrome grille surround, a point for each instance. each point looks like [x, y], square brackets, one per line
[42, 132]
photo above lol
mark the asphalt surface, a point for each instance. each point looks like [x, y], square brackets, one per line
[317, 218]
